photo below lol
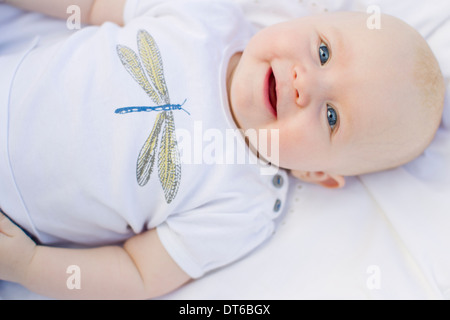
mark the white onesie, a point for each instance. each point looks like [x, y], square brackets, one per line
[112, 131]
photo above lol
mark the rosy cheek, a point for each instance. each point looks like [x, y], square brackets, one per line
[299, 148]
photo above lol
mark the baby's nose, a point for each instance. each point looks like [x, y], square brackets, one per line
[300, 87]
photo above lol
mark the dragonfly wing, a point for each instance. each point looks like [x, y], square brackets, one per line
[130, 61]
[146, 159]
[169, 165]
[151, 59]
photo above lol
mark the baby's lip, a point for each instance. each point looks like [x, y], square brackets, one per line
[271, 92]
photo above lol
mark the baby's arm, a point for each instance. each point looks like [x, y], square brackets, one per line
[140, 269]
[92, 11]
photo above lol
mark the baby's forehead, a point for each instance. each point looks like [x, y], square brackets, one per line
[342, 18]
[374, 100]
[361, 23]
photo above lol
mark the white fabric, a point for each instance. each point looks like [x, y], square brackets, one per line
[73, 158]
[8, 188]
[384, 236]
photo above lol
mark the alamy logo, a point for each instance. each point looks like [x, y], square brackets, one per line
[214, 146]
[373, 281]
[373, 22]
[73, 22]
[74, 280]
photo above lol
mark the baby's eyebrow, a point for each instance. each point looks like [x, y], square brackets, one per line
[336, 39]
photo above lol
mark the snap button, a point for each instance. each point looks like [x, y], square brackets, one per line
[277, 181]
[277, 205]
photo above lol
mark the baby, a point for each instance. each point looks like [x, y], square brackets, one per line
[337, 99]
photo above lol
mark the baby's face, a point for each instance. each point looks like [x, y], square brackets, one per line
[325, 83]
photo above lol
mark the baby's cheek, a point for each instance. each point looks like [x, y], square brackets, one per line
[300, 151]
[289, 150]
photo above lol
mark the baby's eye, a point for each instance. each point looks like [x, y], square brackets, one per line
[332, 117]
[324, 53]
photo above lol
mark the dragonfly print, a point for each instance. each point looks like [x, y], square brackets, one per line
[169, 165]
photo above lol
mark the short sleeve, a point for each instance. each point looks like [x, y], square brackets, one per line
[201, 241]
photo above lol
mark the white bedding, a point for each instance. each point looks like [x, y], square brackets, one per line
[384, 236]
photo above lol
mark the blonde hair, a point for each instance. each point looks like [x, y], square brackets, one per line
[429, 86]
[429, 81]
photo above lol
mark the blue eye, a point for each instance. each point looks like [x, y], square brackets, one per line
[324, 53]
[332, 117]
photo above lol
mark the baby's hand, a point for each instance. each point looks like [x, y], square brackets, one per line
[16, 251]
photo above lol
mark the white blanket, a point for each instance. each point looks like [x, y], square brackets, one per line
[383, 236]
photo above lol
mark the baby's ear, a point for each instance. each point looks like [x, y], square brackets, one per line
[327, 180]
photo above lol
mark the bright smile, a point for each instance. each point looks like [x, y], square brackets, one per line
[271, 92]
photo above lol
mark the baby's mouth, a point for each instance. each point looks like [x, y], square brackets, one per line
[273, 92]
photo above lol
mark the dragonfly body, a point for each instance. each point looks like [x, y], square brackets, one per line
[165, 107]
